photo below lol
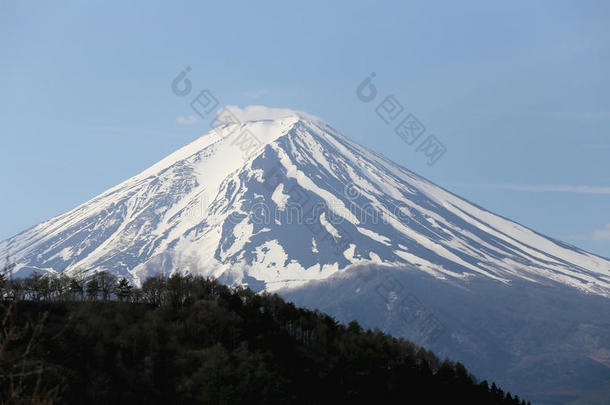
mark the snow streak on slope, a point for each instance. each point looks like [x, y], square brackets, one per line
[307, 204]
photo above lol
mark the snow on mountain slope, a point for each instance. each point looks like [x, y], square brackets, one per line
[281, 199]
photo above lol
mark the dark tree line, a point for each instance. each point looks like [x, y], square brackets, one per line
[191, 340]
[61, 287]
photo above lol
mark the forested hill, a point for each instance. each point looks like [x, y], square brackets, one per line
[190, 340]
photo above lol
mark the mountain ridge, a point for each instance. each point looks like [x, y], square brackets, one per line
[201, 201]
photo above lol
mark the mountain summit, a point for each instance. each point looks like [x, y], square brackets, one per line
[278, 198]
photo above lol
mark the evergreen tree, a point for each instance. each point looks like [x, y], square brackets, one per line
[123, 289]
[203, 342]
[354, 327]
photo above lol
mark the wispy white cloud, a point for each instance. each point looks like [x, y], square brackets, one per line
[602, 234]
[557, 188]
[190, 120]
[598, 235]
[260, 112]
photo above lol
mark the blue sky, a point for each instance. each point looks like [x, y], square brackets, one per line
[518, 92]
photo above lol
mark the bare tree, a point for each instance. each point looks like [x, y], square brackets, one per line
[107, 284]
[15, 289]
[20, 372]
[59, 286]
[77, 284]
[34, 286]
[93, 289]
[76, 289]
[153, 289]
[6, 276]
[3, 286]
[8, 267]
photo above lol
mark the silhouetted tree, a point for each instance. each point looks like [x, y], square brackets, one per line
[35, 286]
[107, 283]
[76, 288]
[123, 289]
[59, 286]
[9, 265]
[177, 289]
[3, 285]
[153, 289]
[93, 289]
[354, 327]
[204, 342]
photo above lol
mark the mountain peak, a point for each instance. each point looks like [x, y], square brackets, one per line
[277, 199]
[262, 113]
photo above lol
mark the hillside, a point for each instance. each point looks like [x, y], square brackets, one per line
[188, 340]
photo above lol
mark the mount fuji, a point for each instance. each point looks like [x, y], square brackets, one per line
[280, 201]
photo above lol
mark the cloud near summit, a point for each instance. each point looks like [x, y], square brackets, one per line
[260, 112]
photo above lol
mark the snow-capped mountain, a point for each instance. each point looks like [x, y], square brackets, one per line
[279, 199]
